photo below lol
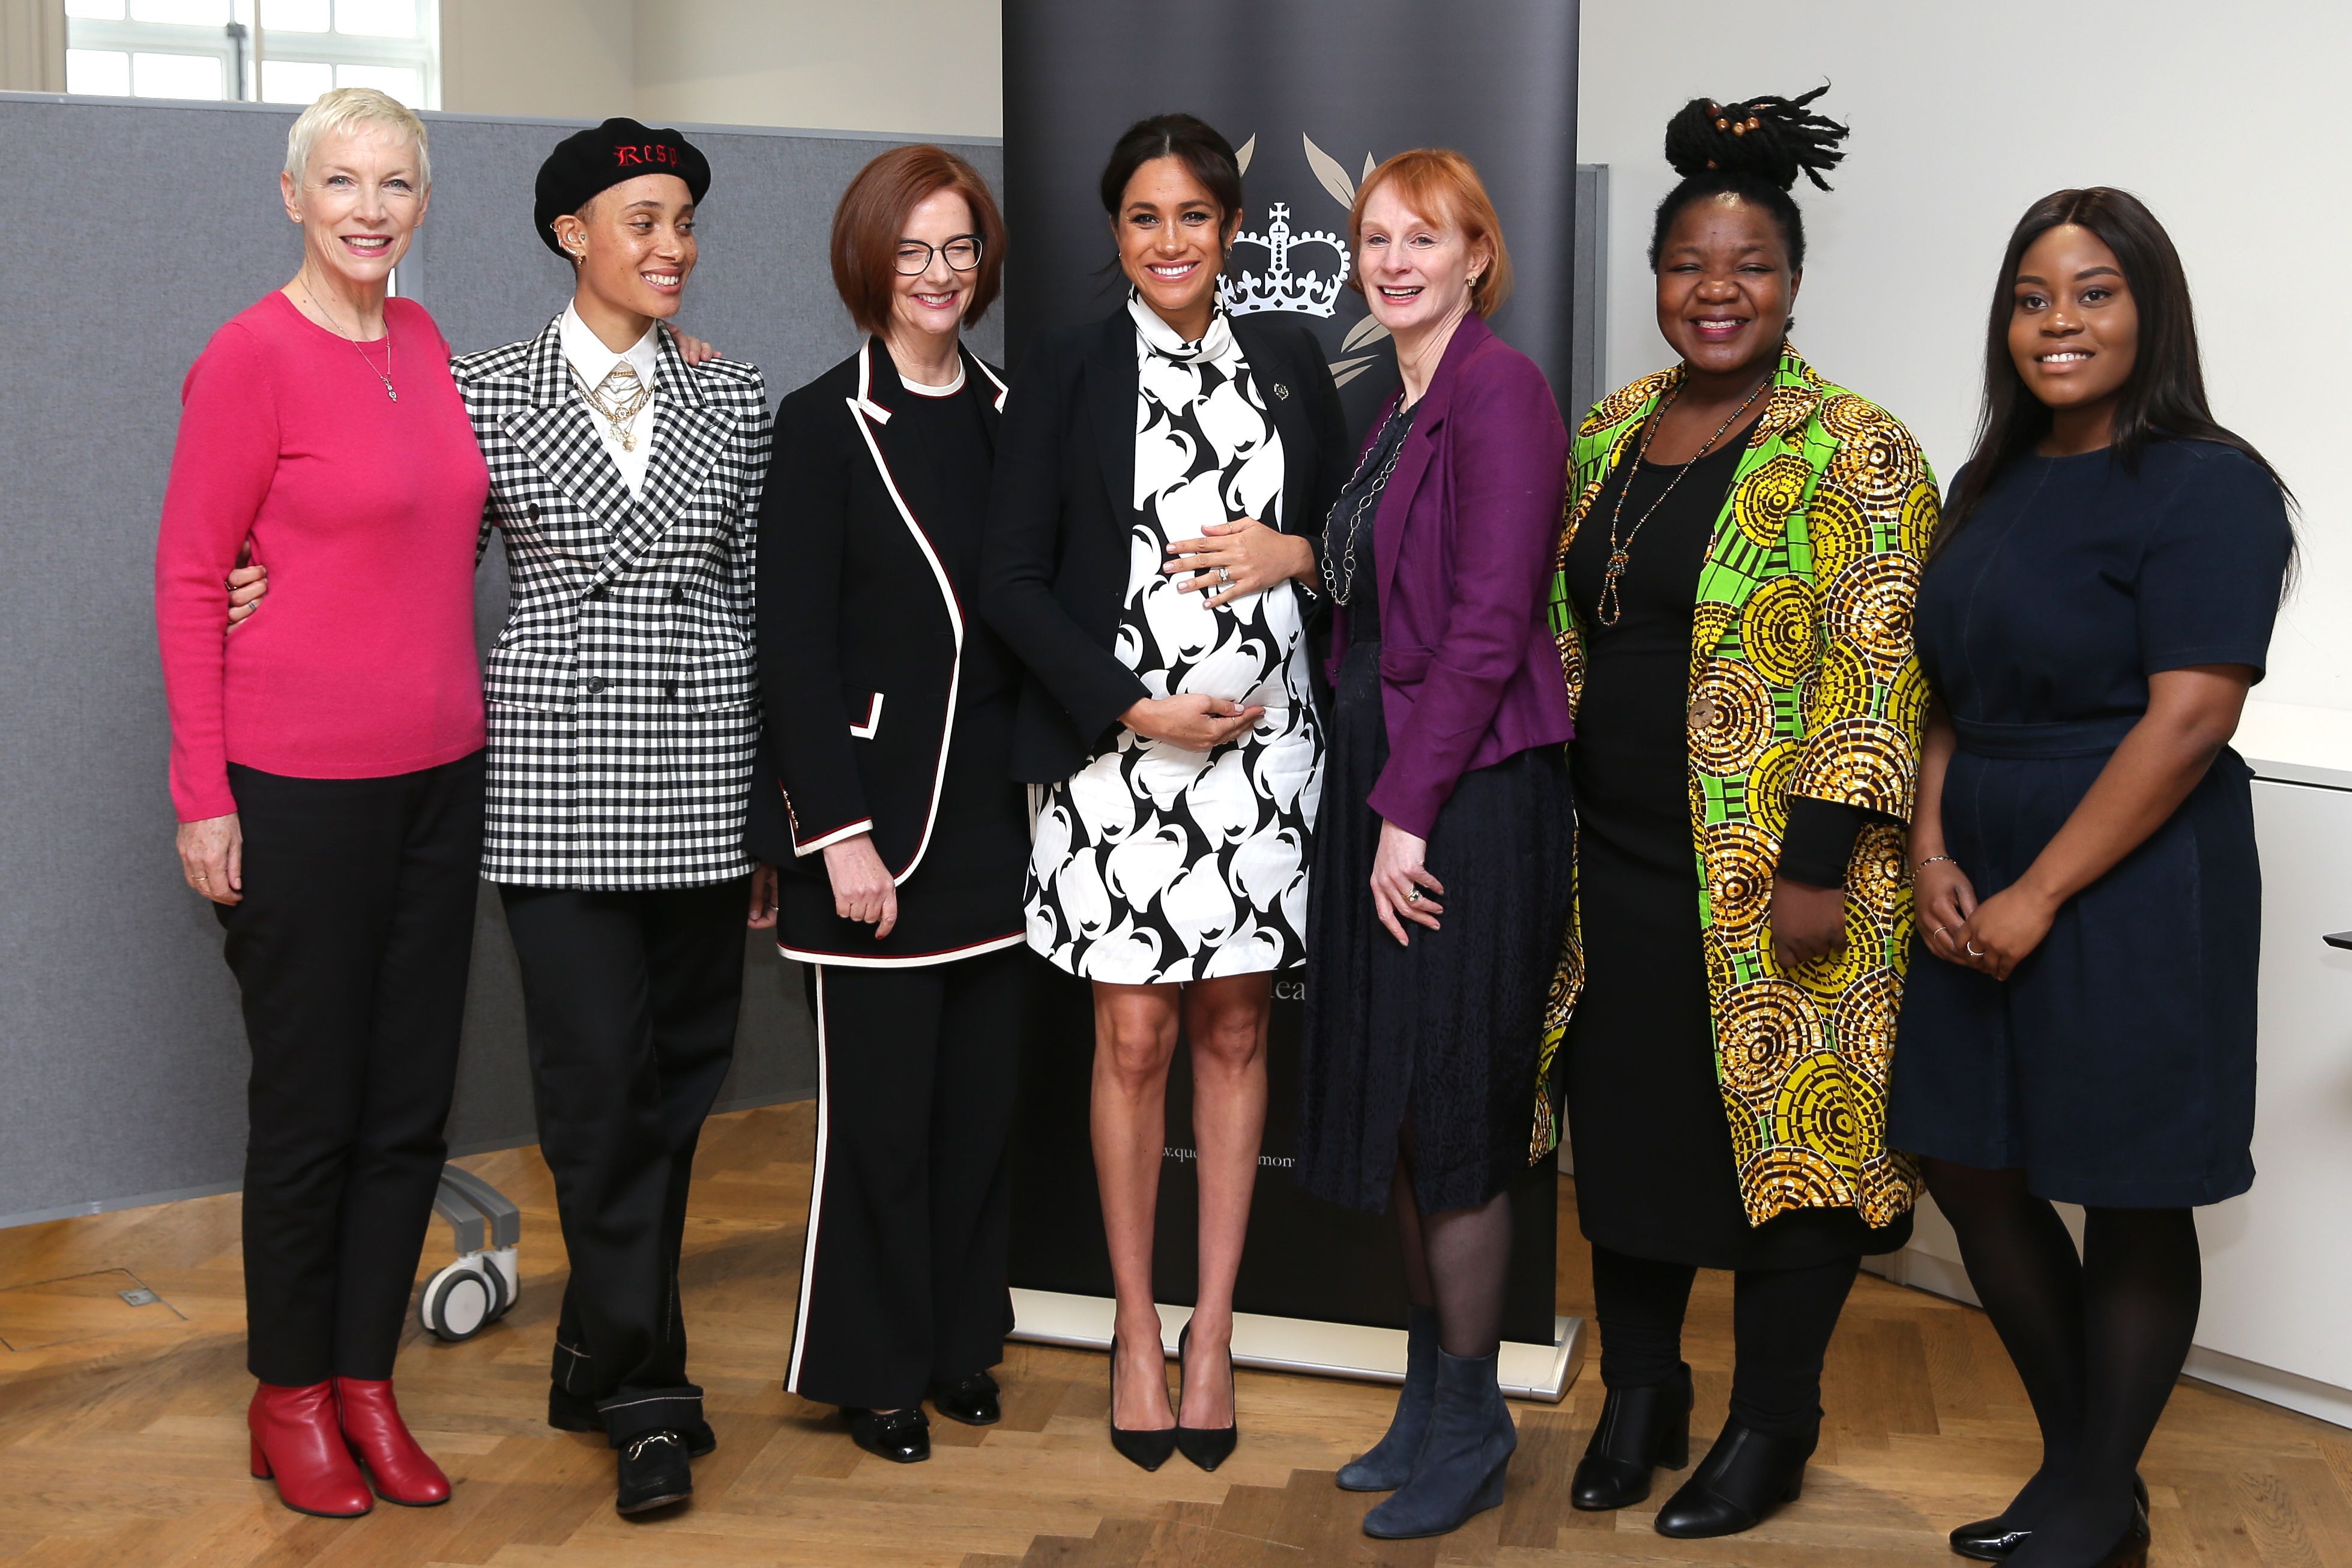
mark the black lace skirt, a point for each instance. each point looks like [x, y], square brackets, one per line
[1441, 1035]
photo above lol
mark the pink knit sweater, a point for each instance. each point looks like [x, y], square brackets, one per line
[361, 662]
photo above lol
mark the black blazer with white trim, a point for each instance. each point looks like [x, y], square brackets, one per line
[1064, 501]
[866, 634]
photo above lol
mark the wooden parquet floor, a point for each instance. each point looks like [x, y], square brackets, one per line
[127, 1448]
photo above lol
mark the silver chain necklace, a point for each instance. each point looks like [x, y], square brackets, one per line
[383, 375]
[1336, 591]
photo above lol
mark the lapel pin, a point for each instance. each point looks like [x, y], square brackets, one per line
[1280, 390]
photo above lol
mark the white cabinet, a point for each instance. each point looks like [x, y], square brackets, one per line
[2277, 1320]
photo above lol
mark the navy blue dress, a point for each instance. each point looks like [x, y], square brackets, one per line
[2116, 1066]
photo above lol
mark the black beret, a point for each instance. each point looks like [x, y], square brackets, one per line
[590, 162]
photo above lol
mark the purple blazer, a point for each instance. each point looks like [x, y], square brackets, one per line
[1464, 545]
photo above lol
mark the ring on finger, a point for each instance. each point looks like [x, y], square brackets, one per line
[1225, 576]
[1413, 895]
[1972, 950]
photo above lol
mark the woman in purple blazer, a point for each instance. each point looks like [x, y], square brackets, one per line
[1447, 790]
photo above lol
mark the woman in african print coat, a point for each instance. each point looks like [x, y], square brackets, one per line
[1734, 611]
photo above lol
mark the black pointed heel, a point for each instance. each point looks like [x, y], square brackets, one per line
[1207, 1447]
[1639, 1431]
[1148, 1447]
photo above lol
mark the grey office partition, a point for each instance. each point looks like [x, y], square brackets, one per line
[136, 228]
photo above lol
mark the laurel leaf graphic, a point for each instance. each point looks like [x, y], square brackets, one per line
[1347, 370]
[1242, 158]
[1368, 331]
[1369, 166]
[1328, 169]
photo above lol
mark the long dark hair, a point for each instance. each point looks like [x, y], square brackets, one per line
[1186, 138]
[2164, 398]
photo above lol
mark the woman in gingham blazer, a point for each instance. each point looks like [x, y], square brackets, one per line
[622, 729]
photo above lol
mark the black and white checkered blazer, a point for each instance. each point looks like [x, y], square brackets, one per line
[623, 693]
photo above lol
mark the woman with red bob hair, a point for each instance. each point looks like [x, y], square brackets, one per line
[891, 811]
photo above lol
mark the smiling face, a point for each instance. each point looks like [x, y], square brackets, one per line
[635, 244]
[2074, 327]
[931, 303]
[1725, 287]
[359, 202]
[1416, 270]
[1171, 242]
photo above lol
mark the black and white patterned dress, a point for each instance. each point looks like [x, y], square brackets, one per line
[1155, 865]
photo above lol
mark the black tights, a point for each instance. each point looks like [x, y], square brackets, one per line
[1456, 1261]
[1781, 1323]
[2098, 1340]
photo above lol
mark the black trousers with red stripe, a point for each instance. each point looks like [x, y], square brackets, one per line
[903, 1276]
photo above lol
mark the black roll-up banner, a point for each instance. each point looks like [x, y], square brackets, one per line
[1312, 93]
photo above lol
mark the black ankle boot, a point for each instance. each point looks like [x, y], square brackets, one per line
[1388, 1464]
[1743, 1478]
[1996, 1539]
[1640, 1430]
[1464, 1459]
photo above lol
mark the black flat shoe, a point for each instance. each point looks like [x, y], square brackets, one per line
[1994, 1540]
[971, 1400]
[1640, 1430]
[568, 1412]
[1148, 1447]
[1743, 1478]
[654, 1473]
[901, 1436]
[1207, 1447]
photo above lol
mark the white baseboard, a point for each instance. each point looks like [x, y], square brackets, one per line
[1301, 1345]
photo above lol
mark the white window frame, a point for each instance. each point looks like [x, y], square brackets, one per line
[421, 53]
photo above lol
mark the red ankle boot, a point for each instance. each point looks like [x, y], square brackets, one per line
[403, 1472]
[296, 1443]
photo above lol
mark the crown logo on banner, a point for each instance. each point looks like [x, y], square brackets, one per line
[1278, 288]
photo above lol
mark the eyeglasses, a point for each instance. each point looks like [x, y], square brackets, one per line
[915, 256]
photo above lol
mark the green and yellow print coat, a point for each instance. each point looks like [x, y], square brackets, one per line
[1803, 681]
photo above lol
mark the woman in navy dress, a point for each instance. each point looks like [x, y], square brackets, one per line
[2099, 605]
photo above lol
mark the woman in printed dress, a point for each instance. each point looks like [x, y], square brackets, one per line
[1149, 564]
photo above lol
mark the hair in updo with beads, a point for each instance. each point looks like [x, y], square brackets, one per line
[1753, 150]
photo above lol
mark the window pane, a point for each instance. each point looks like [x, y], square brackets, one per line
[294, 16]
[97, 11]
[377, 19]
[294, 81]
[404, 82]
[175, 75]
[104, 72]
[198, 13]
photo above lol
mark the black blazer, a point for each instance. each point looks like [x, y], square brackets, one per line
[863, 641]
[1059, 518]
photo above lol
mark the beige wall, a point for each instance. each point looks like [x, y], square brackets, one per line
[32, 46]
[926, 67]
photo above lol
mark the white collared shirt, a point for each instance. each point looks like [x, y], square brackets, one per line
[591, 362]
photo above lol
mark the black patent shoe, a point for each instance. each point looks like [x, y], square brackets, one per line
[2130, 1549]
[1147, 1447]
[1207, 1447]
[654, 1473]
[901, 1436]
[569, 1412]
[1744, 1476]
[971, 1400]
[1994, 1540]
[1640, 1430]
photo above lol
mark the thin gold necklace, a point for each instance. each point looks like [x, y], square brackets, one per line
[1610, 606]
[383, 375]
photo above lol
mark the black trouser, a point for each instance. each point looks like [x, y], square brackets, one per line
[903, 1273]
[1781, 1323]
[351, 949]
[629, 1001]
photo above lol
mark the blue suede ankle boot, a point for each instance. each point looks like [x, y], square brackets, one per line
[1389, 1465]
[1463, 1460]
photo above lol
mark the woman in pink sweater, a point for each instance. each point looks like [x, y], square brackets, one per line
[327, 772]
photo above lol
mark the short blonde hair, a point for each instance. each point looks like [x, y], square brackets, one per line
[340, 110]
[1442, 185]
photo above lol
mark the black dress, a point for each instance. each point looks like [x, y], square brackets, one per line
[1655, 1174]
[1441, 1035]
[2115, 1066]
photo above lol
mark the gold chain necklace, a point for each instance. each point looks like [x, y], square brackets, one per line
[383, 375]
[620, 408]
[1610, 606]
